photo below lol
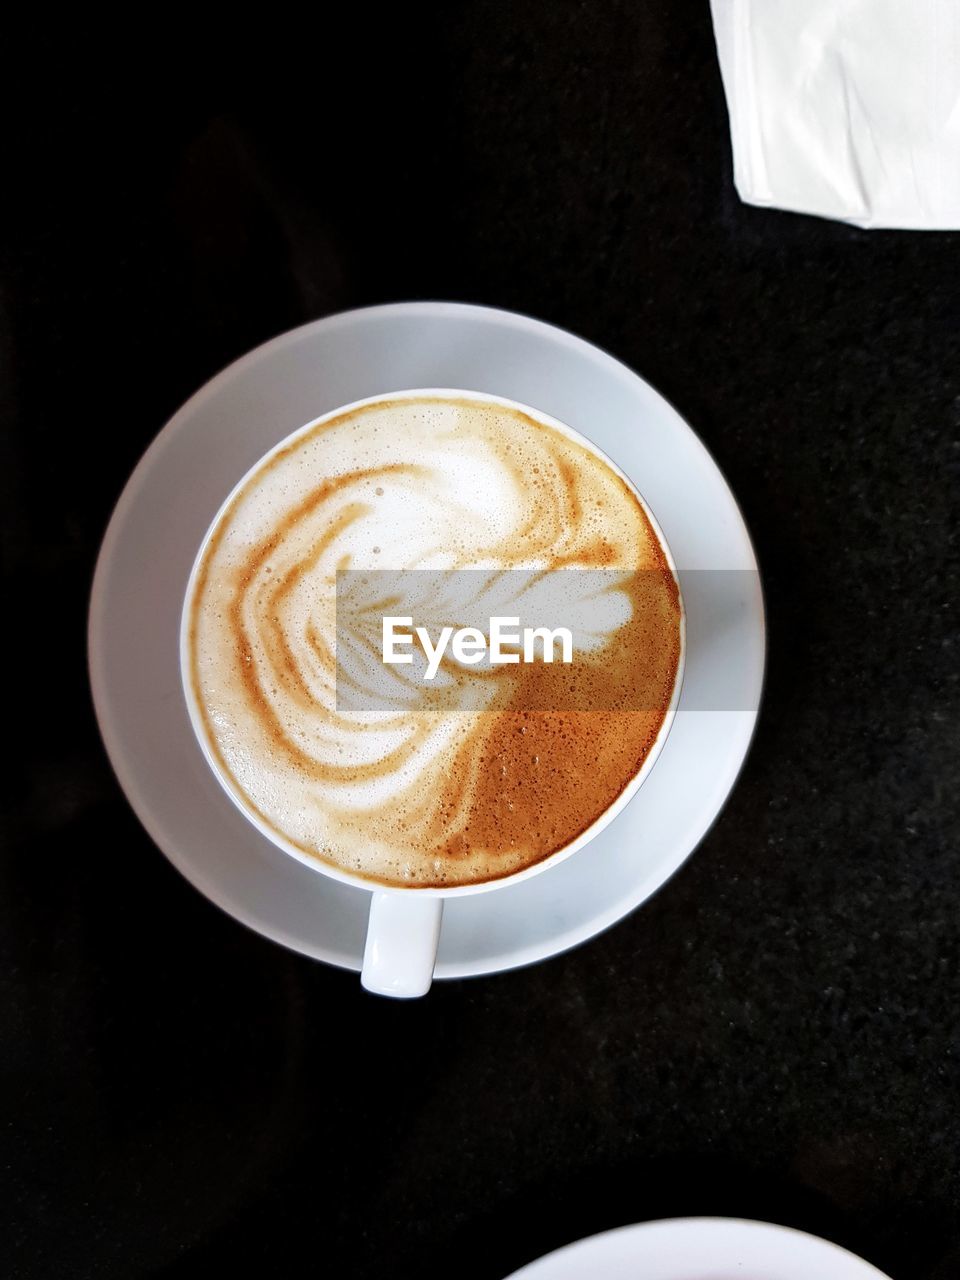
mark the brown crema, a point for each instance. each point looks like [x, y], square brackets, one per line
[476, 778]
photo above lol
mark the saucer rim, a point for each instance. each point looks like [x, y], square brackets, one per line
[843, 1263]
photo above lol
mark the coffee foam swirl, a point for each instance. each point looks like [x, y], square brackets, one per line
[449, 786]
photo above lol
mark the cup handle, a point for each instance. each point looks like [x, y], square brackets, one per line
[403, 932]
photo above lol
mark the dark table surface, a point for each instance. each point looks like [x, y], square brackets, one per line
[777, 1033]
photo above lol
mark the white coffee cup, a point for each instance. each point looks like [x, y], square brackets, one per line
[403, 930]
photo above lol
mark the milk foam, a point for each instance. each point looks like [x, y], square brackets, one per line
[416, 795]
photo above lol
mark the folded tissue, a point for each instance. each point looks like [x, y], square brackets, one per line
[846, 109]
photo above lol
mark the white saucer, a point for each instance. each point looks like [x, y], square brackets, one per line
[197, 458]
[701, 1249]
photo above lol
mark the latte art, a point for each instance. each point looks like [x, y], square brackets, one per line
[457, 781]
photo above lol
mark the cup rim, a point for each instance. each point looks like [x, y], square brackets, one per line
[317, 863]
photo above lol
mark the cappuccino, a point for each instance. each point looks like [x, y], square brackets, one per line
[430, 791]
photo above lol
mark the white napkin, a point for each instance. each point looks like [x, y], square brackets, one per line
[847, 109]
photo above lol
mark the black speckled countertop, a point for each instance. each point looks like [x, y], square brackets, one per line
[777, 1033]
